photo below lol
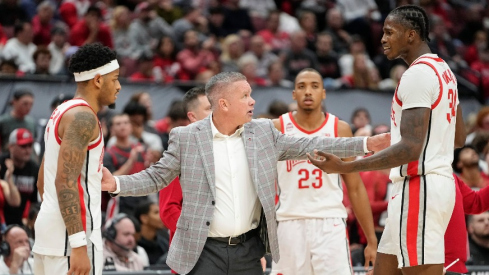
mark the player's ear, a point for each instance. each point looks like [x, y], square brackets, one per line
[293, 95]
[98, 81]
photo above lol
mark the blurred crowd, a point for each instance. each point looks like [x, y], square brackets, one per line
[269, 41]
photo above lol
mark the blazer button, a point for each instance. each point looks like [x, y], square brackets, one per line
[213, 203]
[207, 223]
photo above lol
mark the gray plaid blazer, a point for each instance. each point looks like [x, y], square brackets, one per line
[190, 156]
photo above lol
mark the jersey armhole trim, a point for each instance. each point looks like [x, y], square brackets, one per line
[433, 106]
[336, 119]
[282, 129]
[56, 125]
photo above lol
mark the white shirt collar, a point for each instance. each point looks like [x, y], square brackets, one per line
[216, 133]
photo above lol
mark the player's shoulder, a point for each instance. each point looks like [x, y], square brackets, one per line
[344, 129]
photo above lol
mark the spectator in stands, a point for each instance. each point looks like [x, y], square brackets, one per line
[119, 24]
[24, 173]
[144, 98]
[481, 66]
[443, 45]
[481, 124]
[9, 194]
[11, 13]
[362, 76]
[478, 227]
[360, 118]
[42, 23]
[232, 50]
[356, 46]
[20, 47]
[478, 44]
[192, 19]
[145, 72]
[395, 76]
[335, 23]
[91, 29]
[248, 67]
[276, 76]
[216, 21]
[194, 58]
[138, 117]
[18, 117]
[176, 118]
[18, 259]
[299, 57]
[31, 220]
[466, 164]
[327, 57]
[119, 244]
[146, 30]
[275, 39]
[166, 59]
[262, 55]
[71, 11]
[42, 58]
[307, 21]
[168, 11]
[154, 236]
[125, 157]
[58, 47]
[277, 108]
[3, 37]
[8, 67]
[236, 18]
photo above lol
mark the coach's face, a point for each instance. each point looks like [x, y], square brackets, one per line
[238, 103]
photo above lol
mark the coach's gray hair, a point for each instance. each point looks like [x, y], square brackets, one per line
[213, 88]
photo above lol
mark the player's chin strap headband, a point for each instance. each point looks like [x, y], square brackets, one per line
[103, 70]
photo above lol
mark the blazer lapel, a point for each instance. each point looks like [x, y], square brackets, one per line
[248, 136]
[204, 142]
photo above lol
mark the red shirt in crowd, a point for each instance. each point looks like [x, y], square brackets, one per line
[80, 32]
[467, 201]
[140, 77]
[42, 33]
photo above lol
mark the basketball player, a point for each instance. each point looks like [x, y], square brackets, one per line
[426, 123]
[68, 236]
[312, 218]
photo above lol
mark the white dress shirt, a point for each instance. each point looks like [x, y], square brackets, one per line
[237, 208]
[26, 268]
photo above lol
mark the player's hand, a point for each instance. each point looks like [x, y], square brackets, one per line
[108, 181]
[79, 262]
[329, 163]
[370, 253]
[378, 142]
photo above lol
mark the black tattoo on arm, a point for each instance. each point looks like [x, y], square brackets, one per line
[414, 127]
[72, 154]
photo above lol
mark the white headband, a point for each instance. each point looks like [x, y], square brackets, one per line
[103, 70]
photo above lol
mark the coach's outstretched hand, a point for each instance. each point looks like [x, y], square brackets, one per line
[79, 262]
[378, 142]
[329, 163]
[108, 181]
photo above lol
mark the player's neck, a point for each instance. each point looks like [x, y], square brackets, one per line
[415, 53]
[88, 97]
[309, 120]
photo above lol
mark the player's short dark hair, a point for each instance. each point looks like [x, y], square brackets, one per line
[191, 97]
[456, 157]
[413, 17]
[312, 71]
[142, 209]
[90, 56]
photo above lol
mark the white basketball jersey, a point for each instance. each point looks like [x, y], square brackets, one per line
[429, 83]
[303, 190]
[51, 234]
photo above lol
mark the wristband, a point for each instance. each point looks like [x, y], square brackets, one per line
[78, 239]
[365, 149]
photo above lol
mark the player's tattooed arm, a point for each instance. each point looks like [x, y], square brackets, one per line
[414, 127]
[78, 131]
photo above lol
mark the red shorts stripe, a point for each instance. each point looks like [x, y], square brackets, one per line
[83, 209]
[413, 220]
[412, 168]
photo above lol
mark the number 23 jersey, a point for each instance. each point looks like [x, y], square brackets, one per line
[303, 190]
[427, 83]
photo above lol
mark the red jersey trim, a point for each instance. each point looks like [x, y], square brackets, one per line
[83, 209]
[282, 125]
[395, 94]
[90, 147]
[433, 106]
[336, 127]
[305, 131]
